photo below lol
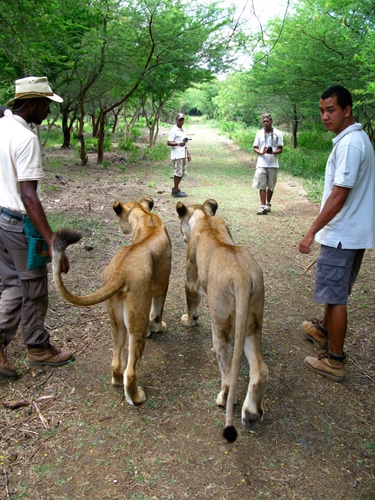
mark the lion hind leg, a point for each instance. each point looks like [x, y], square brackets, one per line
[156, 324]
[253, 406]
[222, 350]
[193, 299]
[119, 333]
[134, 394]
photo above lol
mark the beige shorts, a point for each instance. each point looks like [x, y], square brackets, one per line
[179, 167]
[265, 178]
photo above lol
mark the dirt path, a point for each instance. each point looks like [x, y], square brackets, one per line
[77, 438]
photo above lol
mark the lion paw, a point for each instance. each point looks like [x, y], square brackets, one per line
[138, 398]
[221, 399]
[187, 321]
[250, 420]
[157, 328]
[117, 381]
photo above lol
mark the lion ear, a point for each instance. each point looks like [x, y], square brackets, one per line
[117, 207]
[181, 209]
[147, 203]
[210, 206]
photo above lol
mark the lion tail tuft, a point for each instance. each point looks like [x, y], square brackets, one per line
[230, 433]
[63, 238]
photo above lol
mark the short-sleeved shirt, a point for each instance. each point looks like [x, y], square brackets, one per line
[351, 164]
[20, 160]
[274, 140]
[177, 135]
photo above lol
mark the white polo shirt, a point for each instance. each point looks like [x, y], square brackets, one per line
[20, 160]
[351, 164]
[177, 135]
[273, 139]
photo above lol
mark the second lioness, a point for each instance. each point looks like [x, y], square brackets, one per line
[135, 286]
[233, 281]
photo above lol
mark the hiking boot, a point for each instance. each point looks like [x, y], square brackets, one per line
[47, 354]
[268, 207]
[177, 193]
[6, 368]
[328, 365]
[316, 333]
[263, 210]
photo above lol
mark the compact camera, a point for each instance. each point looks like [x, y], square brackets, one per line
[269, 150]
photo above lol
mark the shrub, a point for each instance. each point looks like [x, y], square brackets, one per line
[127, 145]
[159, 152]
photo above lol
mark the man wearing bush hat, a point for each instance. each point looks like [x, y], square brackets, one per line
[24, 298]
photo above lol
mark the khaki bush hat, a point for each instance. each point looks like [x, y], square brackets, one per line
[33, 87]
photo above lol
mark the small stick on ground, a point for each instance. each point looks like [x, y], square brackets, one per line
[308, 267]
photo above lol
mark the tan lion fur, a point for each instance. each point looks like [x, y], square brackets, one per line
[135, 285]
[233, 281]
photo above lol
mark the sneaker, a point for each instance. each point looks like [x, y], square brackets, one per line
[268, 207]
[48, 355]
[6, 368]
[316, 333]
[326, 366]
[263, 210]
[178, 193]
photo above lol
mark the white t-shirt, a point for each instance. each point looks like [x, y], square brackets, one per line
[274, 139]
[177, 135]
[20, 160]
[351, 164]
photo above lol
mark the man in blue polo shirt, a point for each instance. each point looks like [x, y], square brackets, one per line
[345, 227]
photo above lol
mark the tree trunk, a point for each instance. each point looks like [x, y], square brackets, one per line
[116, 115]
[130, 125]
[295, 126]
[66, 129]
[101, 136]
[153, 132]
[83, 155]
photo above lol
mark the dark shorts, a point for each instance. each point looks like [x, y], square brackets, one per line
[336, 272]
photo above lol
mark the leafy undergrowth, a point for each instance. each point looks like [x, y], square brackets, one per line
[76, 437]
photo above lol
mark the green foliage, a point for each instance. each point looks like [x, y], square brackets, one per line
[107, 144]
[304, 162]
[127, 145]
[158, 153]
[136, 132]
[198, 100]
[244, 137]
[91, 144]
[228, 126]
[292, 61]
[101, 55]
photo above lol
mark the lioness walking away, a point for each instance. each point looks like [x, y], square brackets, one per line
[233, 282]
[135, 286]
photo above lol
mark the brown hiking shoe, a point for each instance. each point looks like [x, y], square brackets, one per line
[48, 355]
[326, 366]
[6, 368]
[316, 333]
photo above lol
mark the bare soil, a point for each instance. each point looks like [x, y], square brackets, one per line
[76, 437]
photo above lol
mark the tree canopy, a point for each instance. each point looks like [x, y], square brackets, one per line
[106, 55]
[319, 43]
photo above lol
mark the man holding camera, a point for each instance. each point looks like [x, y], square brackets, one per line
[177, 140]
[268, 144]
